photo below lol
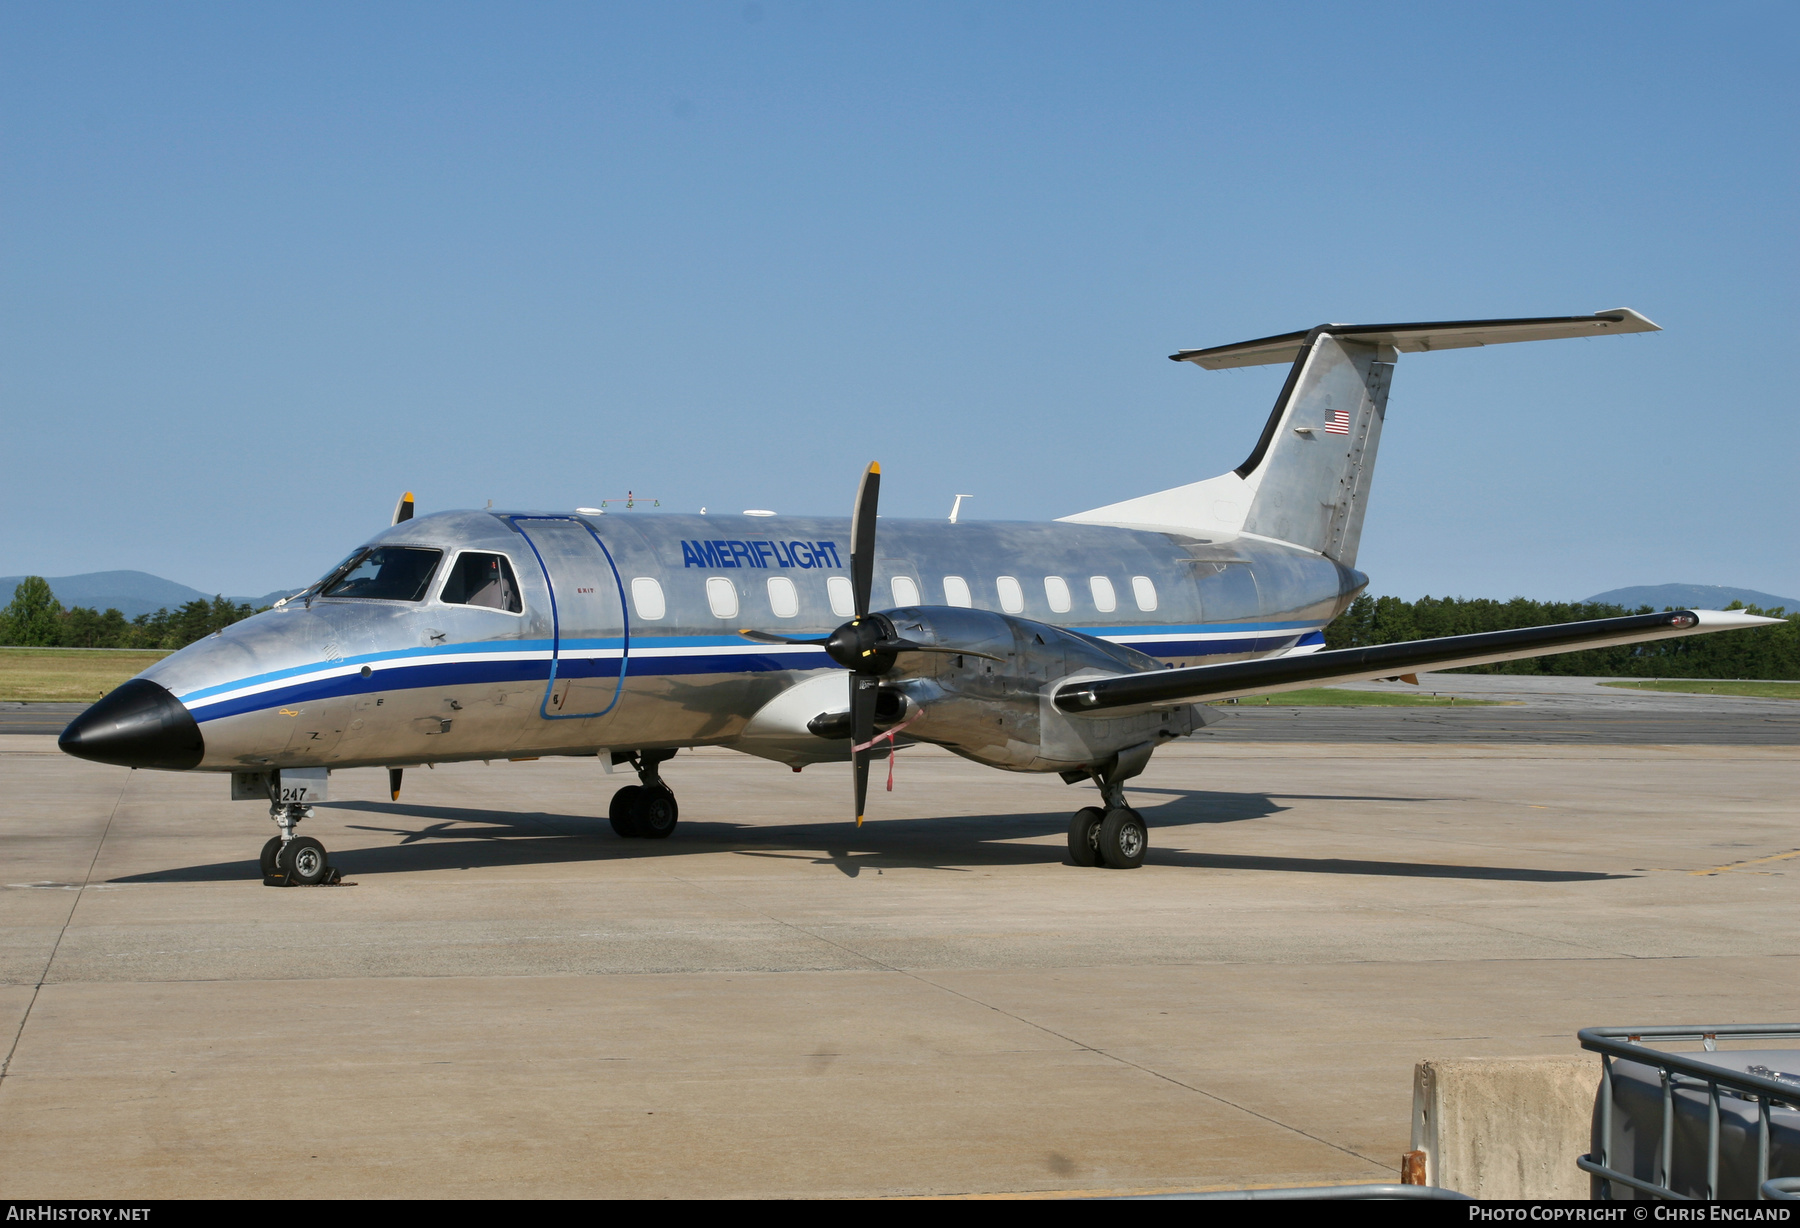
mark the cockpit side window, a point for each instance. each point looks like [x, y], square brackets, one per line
[387, 573]
[483, 580]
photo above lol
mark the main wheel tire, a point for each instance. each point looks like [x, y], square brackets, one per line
[271, 853]
[302, 861]
[1084, 836]
[1124, 839]
[657, 812]
[624, 811]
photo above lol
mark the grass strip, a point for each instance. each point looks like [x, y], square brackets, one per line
[46, 675]
[1332, 697]
[1716, 686]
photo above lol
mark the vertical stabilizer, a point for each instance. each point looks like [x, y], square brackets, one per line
[1309, 475]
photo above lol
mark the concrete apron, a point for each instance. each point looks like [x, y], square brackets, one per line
[513, 1001]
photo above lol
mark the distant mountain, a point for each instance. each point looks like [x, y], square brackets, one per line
[257, 603]
[1692, 597]
[129, 592]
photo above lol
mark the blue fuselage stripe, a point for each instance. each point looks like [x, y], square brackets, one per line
[422, 668]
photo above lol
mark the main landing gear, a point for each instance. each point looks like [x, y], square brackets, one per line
[1116, 839]
[646, 810]
[1114, 836]
[294, 861]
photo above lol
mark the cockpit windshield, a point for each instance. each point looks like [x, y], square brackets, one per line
[386, 573]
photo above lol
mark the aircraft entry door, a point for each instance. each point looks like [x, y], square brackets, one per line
[591, 640]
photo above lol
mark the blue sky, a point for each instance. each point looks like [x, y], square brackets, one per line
[262, 267]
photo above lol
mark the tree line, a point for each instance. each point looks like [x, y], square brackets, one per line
[36, 619]
[1766, 652]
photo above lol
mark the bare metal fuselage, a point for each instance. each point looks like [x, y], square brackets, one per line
[590, 663]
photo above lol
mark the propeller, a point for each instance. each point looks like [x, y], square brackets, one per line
[403, 509]
[868, 643]
[872, 657]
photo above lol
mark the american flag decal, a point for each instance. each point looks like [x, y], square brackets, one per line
[1338, 423]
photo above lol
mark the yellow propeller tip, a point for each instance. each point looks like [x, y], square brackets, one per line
[859, 820]
[874, 466]
[409, 497]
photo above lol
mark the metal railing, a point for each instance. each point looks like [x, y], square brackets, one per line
[1681, 1072]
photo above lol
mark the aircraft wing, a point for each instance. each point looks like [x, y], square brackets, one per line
[1204, 683]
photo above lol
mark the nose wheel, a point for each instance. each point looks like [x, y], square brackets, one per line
[294, 861]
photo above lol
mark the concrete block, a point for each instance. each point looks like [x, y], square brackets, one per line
[1505, 1127]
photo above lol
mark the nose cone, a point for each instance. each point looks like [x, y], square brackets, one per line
[139, 725]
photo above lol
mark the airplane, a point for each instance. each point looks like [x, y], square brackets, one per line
[1076, 646]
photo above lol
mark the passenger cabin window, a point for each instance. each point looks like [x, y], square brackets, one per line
[784, 598]
[1056, 592]
[1012, 596]
[905, 591]
[1144, 591]
[385, 573]
[956, 592]
[484, 580]
[1105, 600]
[647, 599]
[721, 595]
[843, 597]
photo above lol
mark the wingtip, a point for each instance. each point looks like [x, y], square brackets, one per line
[1733, 618]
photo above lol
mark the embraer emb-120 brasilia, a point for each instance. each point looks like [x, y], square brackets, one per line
[1075, 647]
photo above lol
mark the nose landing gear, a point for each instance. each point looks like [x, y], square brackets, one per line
[294, 861]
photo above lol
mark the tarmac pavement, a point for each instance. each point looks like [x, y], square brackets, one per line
[510, 1000]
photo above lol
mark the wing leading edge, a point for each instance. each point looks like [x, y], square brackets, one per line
[1271, 675]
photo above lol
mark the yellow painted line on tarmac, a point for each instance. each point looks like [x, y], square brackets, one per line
[1754, 862]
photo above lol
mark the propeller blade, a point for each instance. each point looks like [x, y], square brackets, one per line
[394, 775]
[862, 538]
[863, 690]
[403, 510]
[769, 637]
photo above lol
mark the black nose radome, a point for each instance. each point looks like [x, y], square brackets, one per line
[139, 725]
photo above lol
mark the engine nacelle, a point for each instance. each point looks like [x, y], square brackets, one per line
[992, 701]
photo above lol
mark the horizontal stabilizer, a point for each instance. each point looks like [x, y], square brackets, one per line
[1270, 675]
[1414, 338]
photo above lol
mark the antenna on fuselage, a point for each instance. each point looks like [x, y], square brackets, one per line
[957, 506]
[631, 500]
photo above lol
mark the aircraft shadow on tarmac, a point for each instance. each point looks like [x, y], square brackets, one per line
[466, 837]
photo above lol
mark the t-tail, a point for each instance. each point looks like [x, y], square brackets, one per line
[1306, 482]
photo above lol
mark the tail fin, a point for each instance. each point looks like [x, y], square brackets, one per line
[1307, 480]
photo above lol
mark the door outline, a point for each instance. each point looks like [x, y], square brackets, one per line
[556, 620]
